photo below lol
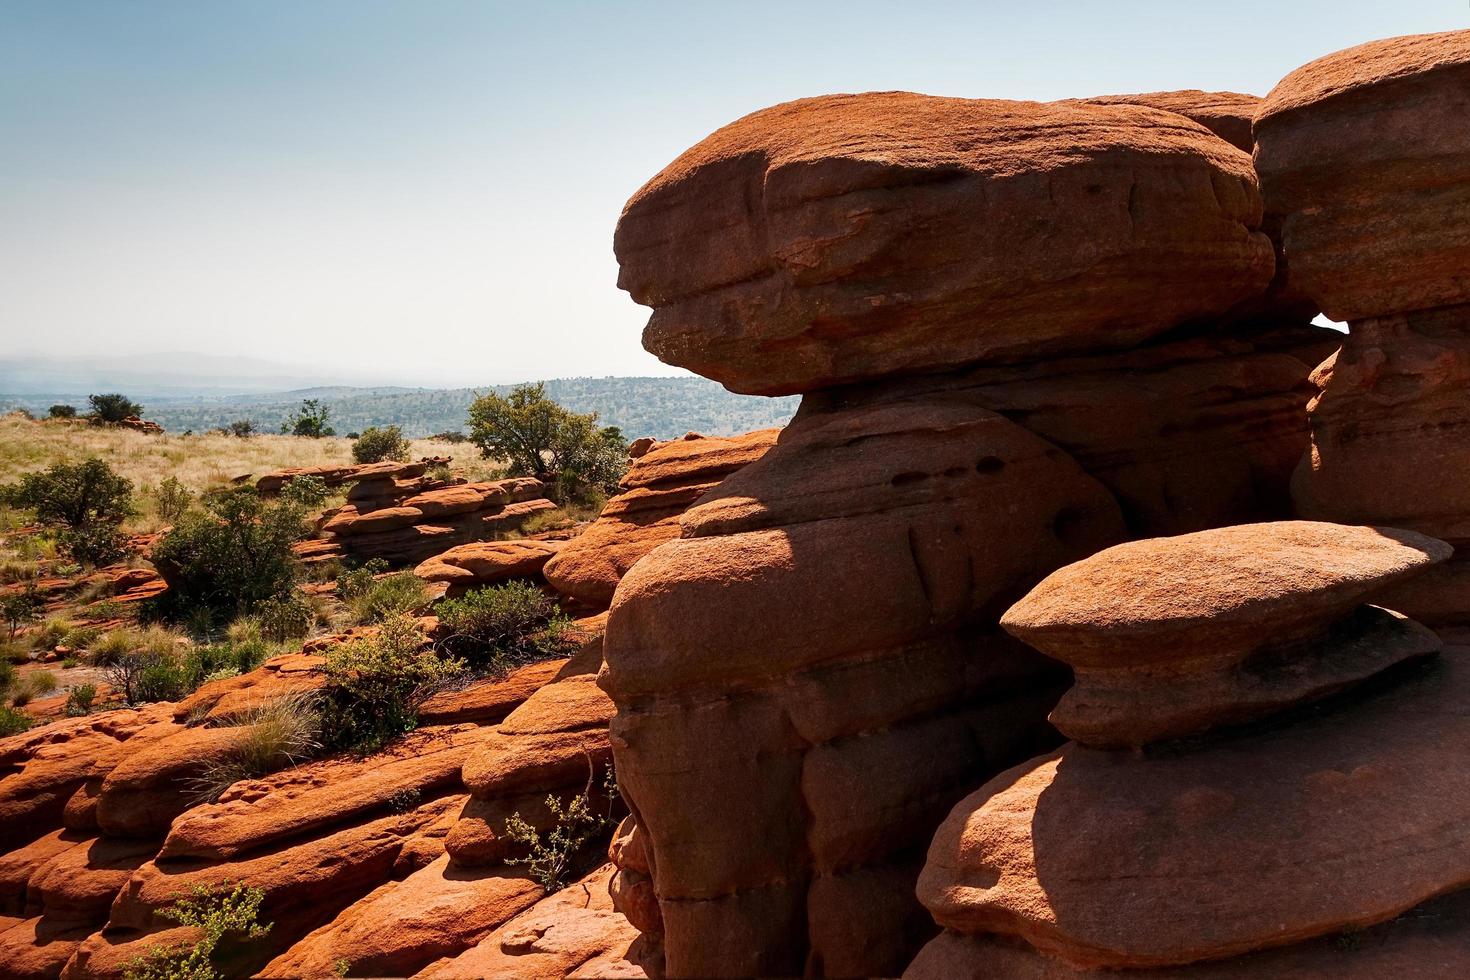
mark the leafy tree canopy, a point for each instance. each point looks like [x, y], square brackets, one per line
[537, 437]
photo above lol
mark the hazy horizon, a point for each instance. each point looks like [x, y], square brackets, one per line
[425, 194]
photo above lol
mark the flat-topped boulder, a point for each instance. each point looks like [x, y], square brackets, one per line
[1226, 114]
[482, 563]
[1343, 819]
[846, 237]
[1366, 156]
[334, 476]
[1173, 636]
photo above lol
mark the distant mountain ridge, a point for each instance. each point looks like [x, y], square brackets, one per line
[663, 408]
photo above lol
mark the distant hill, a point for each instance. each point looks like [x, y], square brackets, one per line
[660, 407]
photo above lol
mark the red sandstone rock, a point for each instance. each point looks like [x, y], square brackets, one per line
[337, 475]
[662, 482]
[403, 925]
[1226, 114]
[818, 634]
[79, 884]
[37, 949]
[1344, 819]
[573, 933]
[1081, 227]
[488, 563]
[145, 791]
[1366, 156]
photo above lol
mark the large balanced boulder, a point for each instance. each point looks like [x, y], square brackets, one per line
[847, 237]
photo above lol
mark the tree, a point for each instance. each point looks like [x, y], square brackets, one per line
[537, 437]
[113, 407]
[310, 420]
[233, 556]
[376, 445]
[73, 495]
[19, 608]
[62, 412]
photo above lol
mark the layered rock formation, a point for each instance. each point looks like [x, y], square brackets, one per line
[336, 476]
[405, 522]
[1019, 332]
[1307, 824]
[1365, 155]
[663, 480]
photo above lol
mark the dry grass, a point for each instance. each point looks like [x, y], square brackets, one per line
[198, 461]
[273, 735]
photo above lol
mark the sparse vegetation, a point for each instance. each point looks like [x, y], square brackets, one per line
[375, 685]
[273, 735]
[537, 437]
[171, 499]
[216, 913]
[308, 492]
[501, 626]
[79, 700]
[86, 502]
[376, 444]
[550, 854]
[312, 419]
[391, 595]
[13, 722]
[61, 412]
[284, 617]
[20, 608]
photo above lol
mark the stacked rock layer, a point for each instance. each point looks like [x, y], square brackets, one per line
[1024, 332]
[1365, 156]
[1237, 840]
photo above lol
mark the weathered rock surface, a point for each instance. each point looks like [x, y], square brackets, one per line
[483, 563]
[1226, 114]
[661, 483]
[1081, 227]
[334, 476]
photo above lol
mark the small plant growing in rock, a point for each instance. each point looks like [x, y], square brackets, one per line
[375, 685]
[13, 722]
[216, 913]
[550, 854]
[273, 735]
[393, 595]
[79, 700]
[376, 444]
[308, 492]
[405, 800]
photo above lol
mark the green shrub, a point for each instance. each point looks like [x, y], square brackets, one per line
[311, 420]
[172, 499]
[73, 494]
[392, 595]
[240, 429]
[113, 407]
[375, 685]
[49, 634]
[378, 444]
[62, 412]
[285, 617]
[79, 700]
[501, 626]
[309, 492]
[42, 682]
[550, 854]
[70, 663]
[356, 581]
[165, 680]
[7, 675]
[220, 660]
[95, 545]
[144, 666]
[278, 733]
[216, 913]
[112, 647]
[13, 722]
[540, 438]
[230, 558]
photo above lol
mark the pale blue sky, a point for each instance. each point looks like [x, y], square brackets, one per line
[425, 192]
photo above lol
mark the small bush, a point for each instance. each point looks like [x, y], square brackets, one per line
[13, 722]
[106, 609]
[113, 407]
[7, 675]
[165, 680]
[216, 913]
[145, 666]
[232, 557]
[392, 595]
[42, 682]
[240, 429]
[550, 854]
[21, 608]
[285, 617]
[378, 444]
[376, 685]
[49, 634]
[220, 660]
[356, 582]
[111, 647]
[172, 499]
[31, 686]
[62, 412]
[308, 492]
[281, 732]
[79, 700]
[69, 663]
[502, 626]
[452, 436]
[73, 494]
[95, 545]
[245, 629]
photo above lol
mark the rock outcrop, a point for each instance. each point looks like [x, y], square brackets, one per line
[482, 563]
[663, 480]
[1365, 156]
[1317, 822]
[336, 476]
[1019, 334]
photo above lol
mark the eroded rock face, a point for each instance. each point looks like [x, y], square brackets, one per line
[814, 243]
[1364, 155]
[820, 624]
[662, 482]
